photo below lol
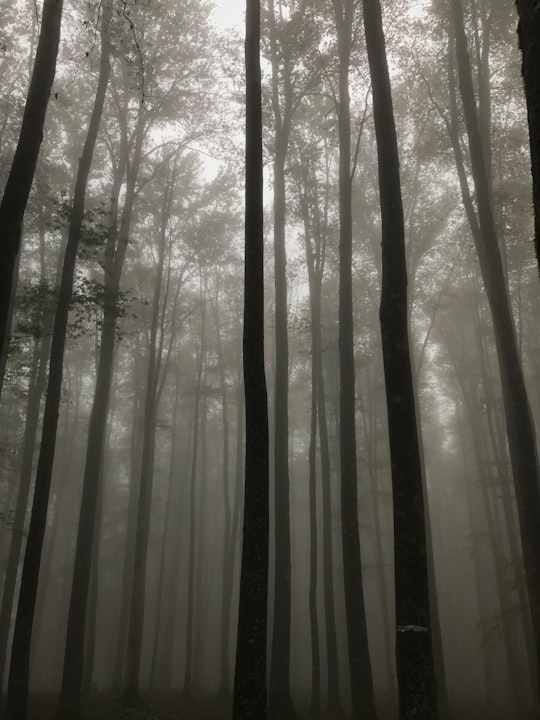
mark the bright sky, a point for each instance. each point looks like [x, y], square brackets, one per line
[229, 13]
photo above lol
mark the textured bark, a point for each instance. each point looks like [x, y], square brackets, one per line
[414, 656]
[250, 693]
[23, 167]
[529, 32]
[17, 696]
[362, 696]
[519, 423]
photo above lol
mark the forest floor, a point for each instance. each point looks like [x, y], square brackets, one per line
[166, 707]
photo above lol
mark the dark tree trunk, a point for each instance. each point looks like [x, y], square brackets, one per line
[17, 695]
[362, 697]
[519, 423]
[414, 656]
[21, 175]
[250, 692]
[529, 32]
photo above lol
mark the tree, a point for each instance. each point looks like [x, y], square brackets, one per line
[414, 656]
[528, 32]
[23, 167]
[17, 696]
[250, 694]
[519, 422]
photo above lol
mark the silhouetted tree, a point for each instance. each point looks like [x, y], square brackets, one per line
[250, 693]
[415, 667]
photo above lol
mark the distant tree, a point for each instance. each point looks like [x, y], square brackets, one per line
[529, 32]
[414, 656]
[250, 692]
[21, 175]
[17, 695]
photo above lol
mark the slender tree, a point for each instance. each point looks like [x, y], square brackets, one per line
[414, 657]
[250, 693]
[279, 701]
[23, 167]
[17, 695]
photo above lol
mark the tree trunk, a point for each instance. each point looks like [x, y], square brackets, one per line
[280, 705]
[29, 442]
[529, 32]
[188, 672]
[17, 696]
[250, 693]
[519, 422]
[361, 683]
[414, 655]
[23, 167]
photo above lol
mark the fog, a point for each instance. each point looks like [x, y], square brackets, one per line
[123, 436]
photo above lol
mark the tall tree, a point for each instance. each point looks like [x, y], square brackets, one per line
[17, 695]
[250, 693]
[21, 175]
[279, 700]
[414, 657]
[519, 422]
[362, 696]
[529, 32]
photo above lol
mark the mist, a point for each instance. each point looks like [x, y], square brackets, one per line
[270, 361]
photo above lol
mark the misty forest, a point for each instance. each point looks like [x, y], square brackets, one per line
[269, 360]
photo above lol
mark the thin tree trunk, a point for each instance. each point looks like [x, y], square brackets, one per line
[151, 404]
[250, 692]
[188, 672]
[361, 682]
[17, 696]
[280, 705]
[127, 573]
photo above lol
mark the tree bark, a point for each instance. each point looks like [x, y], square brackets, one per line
[414, 655]
[529, 32]
[250, 692]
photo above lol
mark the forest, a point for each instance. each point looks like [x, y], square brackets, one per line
[269, 360]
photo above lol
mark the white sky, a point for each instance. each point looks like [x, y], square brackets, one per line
[229, 13]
